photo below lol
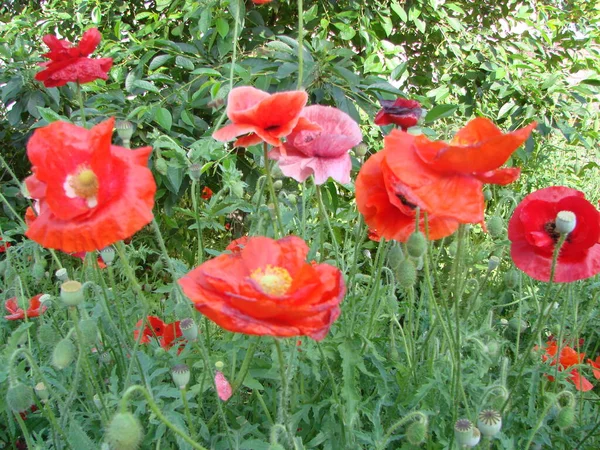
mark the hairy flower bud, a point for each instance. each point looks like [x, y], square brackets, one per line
[406, 274]
[416, 244]
[566, 417]
[19, 397]
[63, 354]
[495, 226]
[416, 432]
[124, 432]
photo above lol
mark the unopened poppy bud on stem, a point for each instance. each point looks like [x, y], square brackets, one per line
[42, 392]
[416, 244]
[565, 222]
[71, 293]
[124, 432]
[19, 397]
[63, 354]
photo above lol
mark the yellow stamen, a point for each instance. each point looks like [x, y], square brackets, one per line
[272, 280]
[85, 183]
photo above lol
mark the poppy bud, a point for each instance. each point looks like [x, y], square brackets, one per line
[495, 226]
[416, 432]
[42, 392]
[511, 279]
[124, 432]
[406, 274]
[189, 329]
[124, 129]
[89, 330]
[45, 300]
[565, 222]
[71, 293]
[395, 256]
[292, 199]
[566, 417]
[487, 195]
[416, 244]
[195, 171]
[19, 397]
[493, 263]
[108, 255]
[161, 165]
[219, 364]
[361, 149]
[277, 185]
[518, 325]
[181, 375]
[63, 354]
[463, 431]
[46, 335]
[489, 422]
[62, 274]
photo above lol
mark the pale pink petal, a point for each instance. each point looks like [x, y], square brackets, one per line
[231, 131]
[223, 386]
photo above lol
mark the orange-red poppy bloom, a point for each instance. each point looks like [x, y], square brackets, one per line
[267, 288]
[260, 116]
[380, 199]
[261, 2]
[89, 193]
[34, 309]
[166, 333]
[567, 358]
[446, 179]
[207, 193]
[4, 246]
[533, 235]
[402, 112]
[71, 63]
[82, 255]
[595, 367]
[237, 244]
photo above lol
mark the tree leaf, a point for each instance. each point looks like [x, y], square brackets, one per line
[163, 117]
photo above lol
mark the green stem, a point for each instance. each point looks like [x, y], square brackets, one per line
[188, 415]
[241, 375]
[336, 397]
[418, 414]
[154, 407]
[81, 104]
[272, 191]
[300, 43]
[282, 414]
[200, 253]
[325, 218]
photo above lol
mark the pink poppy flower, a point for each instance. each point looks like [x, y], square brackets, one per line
[319, 146]
[223, 387]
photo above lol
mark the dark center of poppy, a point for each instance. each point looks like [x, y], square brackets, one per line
[550, 229]
[272, 128]
[405, 202]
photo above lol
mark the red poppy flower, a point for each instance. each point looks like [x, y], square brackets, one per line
[267, 288]
[260, 116]
[447, 179]
[166, 333]
[567, 358]
[81, 256]
[207, 193]
[34, 310]
[261, 2]
[71, 63]
[4, 246]
[91, 193]
[319, 146]
[595, 367]
[373, 235]
[380, 199]
[237, 244]
[533, 236]
[402, 112]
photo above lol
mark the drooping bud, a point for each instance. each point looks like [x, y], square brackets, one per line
[292, 199]
[495, 226]
[406, 274]
[181, 375]
[565, 222]
[416, 432]
[47, 335]
[62, 274]
[124, 432]
[489, 422]
[493, 263]
[395, 256]
[511, 279]
[416, 245]
[108, 255]
[71, 293]
[19, 397]
[42, 392]
[189, 329]
[566, 417]
[277, 185]
[63, 354]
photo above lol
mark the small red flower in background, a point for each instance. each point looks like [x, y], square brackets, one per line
[34, 310]
[319, 146]
[81, 256]
[207, 193]
[91, 193]
[267, 288]
[595, 367]
[71, 63]
[261, 2]
[223, 387]
[385, 209]
[166, 333]
[567, 358]
[237, 244]
[402, 112]
[4, 246]
[260, 116]
[532, 233]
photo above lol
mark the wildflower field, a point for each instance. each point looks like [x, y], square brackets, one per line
[278, 224]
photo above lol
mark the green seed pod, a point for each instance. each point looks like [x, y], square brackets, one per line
[406, 274]
[89, 330]
[71, 293]
[189, 329]
[124, 432]
[463, 431]
[511, 279]
[489, 422]
[395, 256]
[19, 397]
[416, 432]
[63, 354]
[487, 195]
[195, 171]
[416, 244]
[277, 185]
[161, 166]
[361, 149]
[495, 226]
[42, 392]
[566, 417]
[181, 375]
[47, 335]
